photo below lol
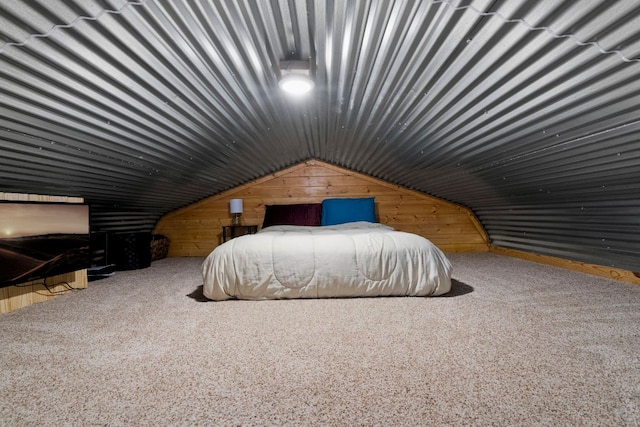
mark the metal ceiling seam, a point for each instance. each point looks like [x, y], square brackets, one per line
[596, 166]
[576, 193]
[186, 32]
[270, 108]
[111, 161]
[262, 75]
[593, 217]
[519, 158]
[268, 75]
[618, 210]
[547, 29]
[572, 186]
[46, 170]
[85, 173]
[349, 57]
[317, 44]
[616, 140]
[387, 74]
[455, 117]
[410, 93]
[439, 146]
[583, 207]
[203, 97]
[574, 233]
[112, 131]
[551, 145]
[460, 63]
[52, 158]
[492, 108]
[527, 126]
[350, 72]
[218, 111]
[109, 110]
[26, 82]
[71, 25]
[155, 146]
[552, 141]
[587, 223]
[332, 19]
[74, 136]
[557, 239]
[300, 39]
[390, 76]
[519, 116]
[107, 120]
[580, 236]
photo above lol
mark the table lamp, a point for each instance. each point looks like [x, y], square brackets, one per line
[235, 207]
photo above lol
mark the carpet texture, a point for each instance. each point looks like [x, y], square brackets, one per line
[514, 343]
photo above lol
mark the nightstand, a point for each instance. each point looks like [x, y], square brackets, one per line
[232, 231]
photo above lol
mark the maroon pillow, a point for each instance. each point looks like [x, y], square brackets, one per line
[298, 214]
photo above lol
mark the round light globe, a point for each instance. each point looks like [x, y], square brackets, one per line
[296, 84]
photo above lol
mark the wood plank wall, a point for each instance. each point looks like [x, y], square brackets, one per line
[24, 294]
[196, 230]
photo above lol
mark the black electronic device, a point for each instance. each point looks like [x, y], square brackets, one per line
[40, 239]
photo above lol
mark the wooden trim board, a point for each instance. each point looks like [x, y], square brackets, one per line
[596, 270]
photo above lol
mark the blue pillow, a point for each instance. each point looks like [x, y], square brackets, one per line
[340, 211]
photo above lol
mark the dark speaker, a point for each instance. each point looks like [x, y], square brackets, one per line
[130, 251]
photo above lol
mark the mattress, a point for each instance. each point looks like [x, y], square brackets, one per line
[360, 259]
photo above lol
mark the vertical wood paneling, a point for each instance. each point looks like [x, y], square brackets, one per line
[196, 229]
[25, 294]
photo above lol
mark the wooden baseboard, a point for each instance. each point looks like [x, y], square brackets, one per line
[596, 270]
[25, 294]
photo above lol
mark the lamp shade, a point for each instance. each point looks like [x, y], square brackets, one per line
[235, 206]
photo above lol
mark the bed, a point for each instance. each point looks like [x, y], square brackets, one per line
[348, 259]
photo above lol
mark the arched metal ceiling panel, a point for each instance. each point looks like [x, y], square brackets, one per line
[527, 112]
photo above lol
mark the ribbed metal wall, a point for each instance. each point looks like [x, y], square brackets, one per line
[527, 112]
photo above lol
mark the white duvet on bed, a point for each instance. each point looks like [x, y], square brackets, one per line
[348, 260]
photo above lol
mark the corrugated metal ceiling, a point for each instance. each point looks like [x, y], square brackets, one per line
[527, 112]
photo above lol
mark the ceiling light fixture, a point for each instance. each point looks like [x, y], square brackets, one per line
[296, 84]
[295, 77]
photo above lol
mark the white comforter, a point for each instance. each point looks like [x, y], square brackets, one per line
[348, 260]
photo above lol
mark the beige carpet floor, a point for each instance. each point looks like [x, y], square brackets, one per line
[515, 343]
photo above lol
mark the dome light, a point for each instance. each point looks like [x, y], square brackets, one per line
[295, 77]
[296, 84]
